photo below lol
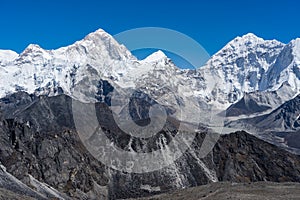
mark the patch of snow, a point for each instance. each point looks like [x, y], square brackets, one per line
[150, 188]
[7, 56]
[211, 175]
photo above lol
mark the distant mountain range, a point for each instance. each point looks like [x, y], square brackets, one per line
[246, 64]
[251, 84]
[248, 76]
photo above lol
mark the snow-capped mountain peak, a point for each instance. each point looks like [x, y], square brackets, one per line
[96, 56]
[33, 54]
[244, 65]
[240, 66]
[95, 45]
[33, 48]
[251, 36]
[98, 34]
[156, 56]
[248, 39]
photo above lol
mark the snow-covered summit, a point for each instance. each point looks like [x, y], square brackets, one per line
[32, 48]
[156, 56]
[248, 38]
[99, 41]
[239, 67]
[246, 64]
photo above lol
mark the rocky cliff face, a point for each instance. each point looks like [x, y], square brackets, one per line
[40, 146]
[279, 126]
[256, 103]
[284, 118]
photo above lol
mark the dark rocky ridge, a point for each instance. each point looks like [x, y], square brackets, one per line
[261, 101]
[283, 122]
[245, 106]
[283, 118]
[38, 138]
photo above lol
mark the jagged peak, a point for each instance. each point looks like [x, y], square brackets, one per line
[251, 36]
[249, 40]
[295, 41]
[32, 48]
[99, 33]
[101, 38]
[156, 56]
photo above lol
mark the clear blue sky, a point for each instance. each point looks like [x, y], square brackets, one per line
[54, 23]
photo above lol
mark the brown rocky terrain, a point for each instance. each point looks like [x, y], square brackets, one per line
[40, 146]
[234, 191]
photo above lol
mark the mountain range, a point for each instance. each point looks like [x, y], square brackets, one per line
[251, 84]
[248, 70]
[246, 64]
